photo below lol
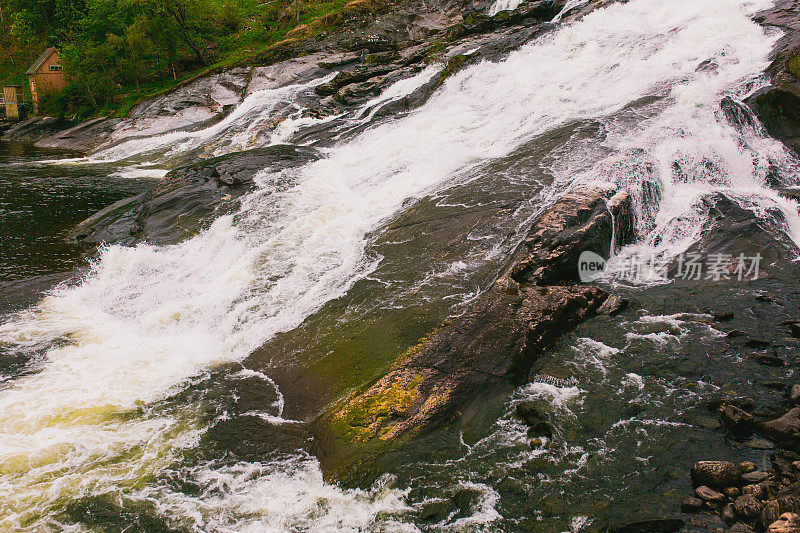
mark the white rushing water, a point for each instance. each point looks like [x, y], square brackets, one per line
[145, 320]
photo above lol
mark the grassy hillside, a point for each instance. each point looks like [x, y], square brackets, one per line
[117, 53]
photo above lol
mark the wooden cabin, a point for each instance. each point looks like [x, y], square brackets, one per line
[46, 76]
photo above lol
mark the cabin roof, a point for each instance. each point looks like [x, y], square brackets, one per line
[41, 59]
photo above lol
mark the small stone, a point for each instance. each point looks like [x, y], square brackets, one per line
[794, 394]
[769, 360]
[739, 527]
[728, 514]
[747, 466]
[747, 506]
[708, 494]
[754, 477]
[796, 465]
[690, 504]
[714, 473]
[736, 420]
[732, 492]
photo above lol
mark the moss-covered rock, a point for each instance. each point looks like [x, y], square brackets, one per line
[484, 352]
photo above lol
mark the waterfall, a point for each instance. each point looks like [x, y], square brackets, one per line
[147, 320]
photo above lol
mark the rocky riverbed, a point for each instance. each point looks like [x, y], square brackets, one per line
[358, 280]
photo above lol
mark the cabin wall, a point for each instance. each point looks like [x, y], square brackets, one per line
[46, 81]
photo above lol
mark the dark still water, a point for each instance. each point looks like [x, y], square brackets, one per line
[39, 203]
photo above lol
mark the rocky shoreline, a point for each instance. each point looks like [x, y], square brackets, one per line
[745, 497]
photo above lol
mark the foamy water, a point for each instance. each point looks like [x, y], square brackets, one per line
[145, 320]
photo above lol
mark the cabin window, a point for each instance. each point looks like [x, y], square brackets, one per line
[33, 86]
[56, 67]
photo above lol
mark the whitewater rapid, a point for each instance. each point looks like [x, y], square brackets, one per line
[147, 320]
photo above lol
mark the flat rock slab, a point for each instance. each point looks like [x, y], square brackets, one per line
[490, 348]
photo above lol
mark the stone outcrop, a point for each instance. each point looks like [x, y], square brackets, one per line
[490, 348]
[778, 105]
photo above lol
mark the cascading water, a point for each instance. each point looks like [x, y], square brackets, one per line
[146, 321]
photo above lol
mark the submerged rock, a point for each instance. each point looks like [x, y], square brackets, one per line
[658, 525]
[487, 350]
[186, 200]
[690, 504]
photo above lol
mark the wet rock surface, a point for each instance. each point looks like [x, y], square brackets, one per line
[759, 499]
[487, 350]
[187, 199]
[778, 106]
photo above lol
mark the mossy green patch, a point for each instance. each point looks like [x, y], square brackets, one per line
[793, 66]
[455, 63]
[364, 417]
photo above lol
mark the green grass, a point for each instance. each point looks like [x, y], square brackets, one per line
[253, 38]
[793, 66]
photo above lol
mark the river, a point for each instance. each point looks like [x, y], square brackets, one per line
[167, 388]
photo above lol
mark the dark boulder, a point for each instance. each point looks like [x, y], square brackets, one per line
[748, 506]
[537, 422]
[714, 473]
[583, 220]
[738, 421]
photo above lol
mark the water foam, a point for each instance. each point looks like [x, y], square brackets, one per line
[147, 319]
